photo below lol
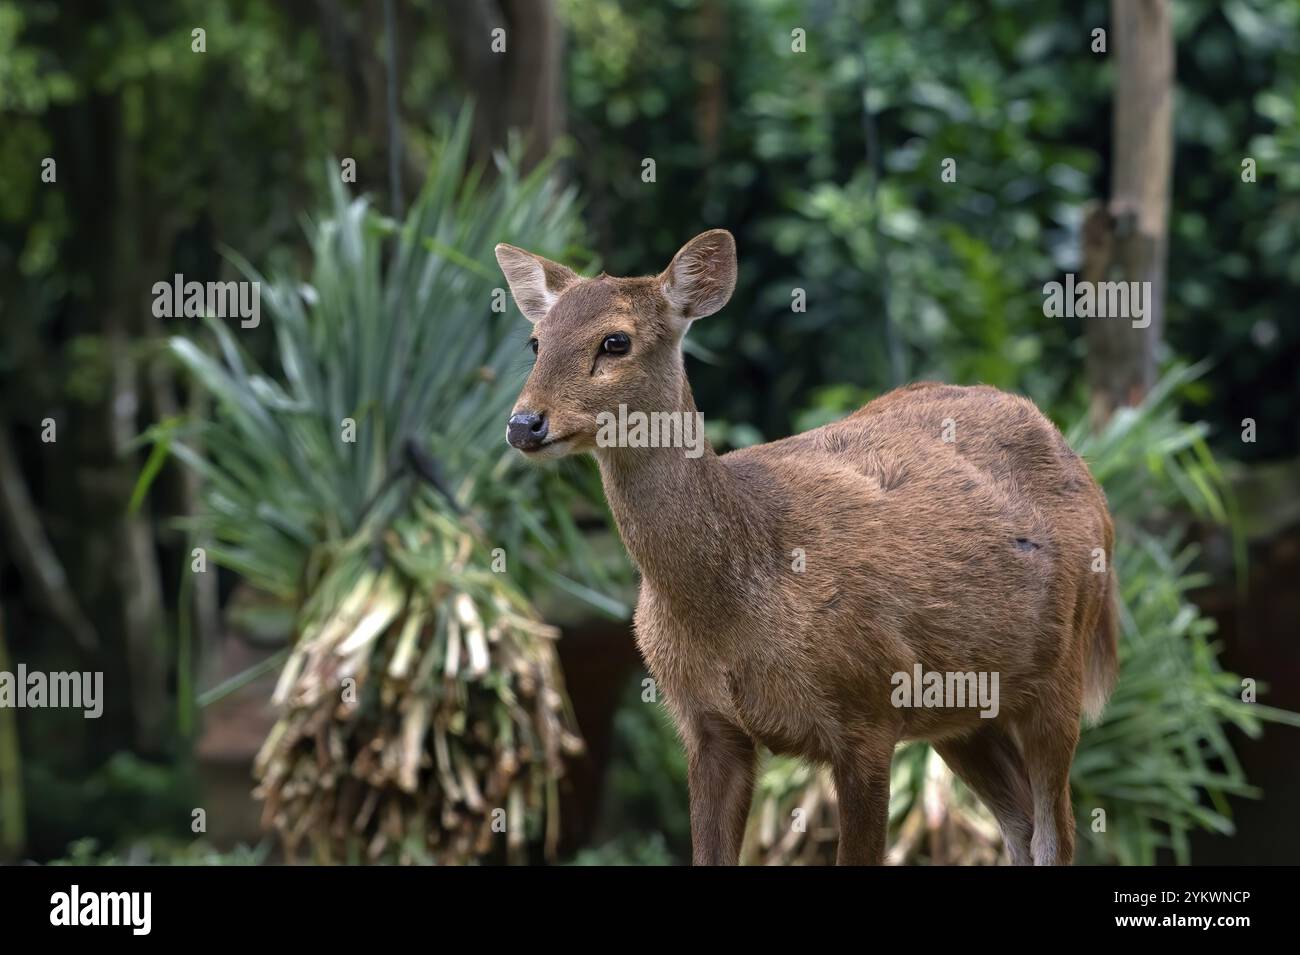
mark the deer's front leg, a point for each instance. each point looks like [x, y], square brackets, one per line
[862, 785]
[720, 772]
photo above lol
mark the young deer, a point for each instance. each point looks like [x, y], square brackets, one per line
[786, 586]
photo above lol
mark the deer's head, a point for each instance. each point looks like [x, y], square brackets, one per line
[607, 341]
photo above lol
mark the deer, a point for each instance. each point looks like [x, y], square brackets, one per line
[950, 528]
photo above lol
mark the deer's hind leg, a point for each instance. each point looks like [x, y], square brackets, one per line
[989, 762]
[1047, 743]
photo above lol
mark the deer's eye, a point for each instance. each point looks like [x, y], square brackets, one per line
[616, 344]
[532, 343]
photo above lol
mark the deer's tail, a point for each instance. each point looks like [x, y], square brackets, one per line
[1102, 668]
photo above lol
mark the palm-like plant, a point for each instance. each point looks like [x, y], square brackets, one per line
[423, 716]
[1159, 765]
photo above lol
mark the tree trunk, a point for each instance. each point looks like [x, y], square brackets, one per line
[13, 831]
[536, 106]
[1128, 239]
[518, 89]
[132, 264]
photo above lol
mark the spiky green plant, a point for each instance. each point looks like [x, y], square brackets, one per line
[1159, 764]
[363, 477]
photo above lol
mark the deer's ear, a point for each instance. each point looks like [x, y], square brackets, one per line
[535, 282]
[702, 275]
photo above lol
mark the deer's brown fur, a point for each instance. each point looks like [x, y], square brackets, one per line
[784, 585]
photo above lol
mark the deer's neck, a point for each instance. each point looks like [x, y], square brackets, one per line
[689, 523]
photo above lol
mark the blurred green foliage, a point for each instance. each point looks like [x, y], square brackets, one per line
[826, 165]
[645, 784]
[160, 852]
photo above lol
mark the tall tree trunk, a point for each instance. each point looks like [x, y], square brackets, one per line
[519, 88]
[355, 40]
[536, 104]
[1128, 239]
[135, 570]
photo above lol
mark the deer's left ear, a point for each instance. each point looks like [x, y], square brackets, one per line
[702, 275]
[535, 282]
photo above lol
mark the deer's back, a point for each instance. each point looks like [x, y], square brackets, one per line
[942, 432]
[940, 443]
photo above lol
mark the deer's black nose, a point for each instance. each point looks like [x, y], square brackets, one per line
[527, 430]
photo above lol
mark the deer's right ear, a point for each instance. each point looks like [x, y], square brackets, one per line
[535, 282]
